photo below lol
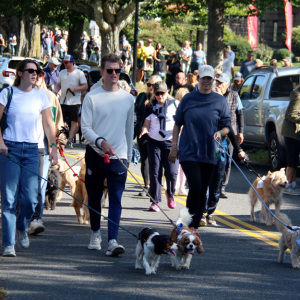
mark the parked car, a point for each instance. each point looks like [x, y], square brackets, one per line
[95, 75]
[8, 66]
[265, 97]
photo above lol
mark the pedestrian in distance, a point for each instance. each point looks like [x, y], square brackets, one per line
[71, 82]
[107, 126]
[29, 110]
[247, 65]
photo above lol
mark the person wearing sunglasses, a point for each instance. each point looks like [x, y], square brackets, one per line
[29, 110]
[158, 125]
[72, 83]
[203, 116]
[36, 225]
[107, 125]
[139, 110]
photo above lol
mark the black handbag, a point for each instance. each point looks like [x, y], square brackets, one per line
[3, 122]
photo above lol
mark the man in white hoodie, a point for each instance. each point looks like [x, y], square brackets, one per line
[107, 125]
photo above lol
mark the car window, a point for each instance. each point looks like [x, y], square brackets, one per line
[258, 86]
[245, 90]
[13, 64]
[283, 86]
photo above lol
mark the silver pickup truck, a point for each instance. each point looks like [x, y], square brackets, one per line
[265, 97]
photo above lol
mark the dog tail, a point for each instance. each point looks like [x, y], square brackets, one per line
[185, 218]
[285, 219]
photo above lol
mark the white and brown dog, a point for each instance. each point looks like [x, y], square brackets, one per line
[150, 246]
[270, 188]
[290, 239]
[187, 239]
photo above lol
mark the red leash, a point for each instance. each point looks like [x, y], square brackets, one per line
[74, 173]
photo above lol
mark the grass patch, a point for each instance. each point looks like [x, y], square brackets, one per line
[258, 155]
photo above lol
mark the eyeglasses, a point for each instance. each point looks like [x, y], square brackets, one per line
[159, 93]
[31, 71]
[110, 71]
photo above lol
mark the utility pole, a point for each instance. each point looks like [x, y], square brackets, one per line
[136, 28]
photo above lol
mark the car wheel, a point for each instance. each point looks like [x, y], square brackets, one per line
[277, 155]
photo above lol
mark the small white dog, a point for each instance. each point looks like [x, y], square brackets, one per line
[150, 246]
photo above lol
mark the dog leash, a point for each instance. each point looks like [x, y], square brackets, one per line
[221, 148]
[78, 161]
[61, 152]
[108, 219]
[147, 193]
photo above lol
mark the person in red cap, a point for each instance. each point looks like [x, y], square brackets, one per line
[72, 82]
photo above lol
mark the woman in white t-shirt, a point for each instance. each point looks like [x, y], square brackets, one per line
[19, 152]
[159, 125]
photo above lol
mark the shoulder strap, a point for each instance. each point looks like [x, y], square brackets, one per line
[9, 97]
[173, 100]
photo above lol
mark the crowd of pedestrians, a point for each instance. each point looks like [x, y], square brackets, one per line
[165, 120]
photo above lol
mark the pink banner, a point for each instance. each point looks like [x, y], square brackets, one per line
[288, 10]
[252, 23]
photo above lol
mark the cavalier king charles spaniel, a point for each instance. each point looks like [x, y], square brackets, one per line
[149, 248]
[187, 239]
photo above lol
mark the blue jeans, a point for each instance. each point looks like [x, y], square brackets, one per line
[116, 174]
[18, 186]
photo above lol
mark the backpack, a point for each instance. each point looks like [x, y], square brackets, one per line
[3, 122]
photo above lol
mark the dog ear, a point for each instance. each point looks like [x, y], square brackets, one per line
[200, 248]
[282, 170]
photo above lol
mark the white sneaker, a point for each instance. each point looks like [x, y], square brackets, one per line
[9, 251]
[114, 249]
[95, 242]
[35, 227]
[182, 192]
[23, 239]
[292, 191]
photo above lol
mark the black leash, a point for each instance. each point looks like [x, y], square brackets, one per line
[221, 148]
[251, 169]
[15, 162]
[147, 193]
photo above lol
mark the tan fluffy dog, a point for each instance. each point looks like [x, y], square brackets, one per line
[81, 194]
[290, 239]
[270, 190]
[67, 177]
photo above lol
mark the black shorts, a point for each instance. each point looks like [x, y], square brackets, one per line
[70, 112]
[293, 151]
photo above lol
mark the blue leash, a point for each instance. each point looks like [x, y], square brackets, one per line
[223, 150]
[15, 162]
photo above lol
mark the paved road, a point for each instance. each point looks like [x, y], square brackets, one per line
[239, 262]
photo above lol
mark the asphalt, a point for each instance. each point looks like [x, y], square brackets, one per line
[237, 262]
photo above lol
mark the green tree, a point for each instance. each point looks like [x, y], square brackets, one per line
[215, 16]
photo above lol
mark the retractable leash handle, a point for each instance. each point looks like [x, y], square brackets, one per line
[262, 201]
[106, 158]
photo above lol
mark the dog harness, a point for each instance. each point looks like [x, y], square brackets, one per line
[260, 184]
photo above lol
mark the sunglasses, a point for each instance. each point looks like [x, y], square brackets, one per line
[150, 84]
[110, 71]
[159, 93]
[31, 71]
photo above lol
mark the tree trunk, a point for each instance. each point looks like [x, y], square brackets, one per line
[216, 19]
[75, 34]
[110, 41]
[29, 47]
